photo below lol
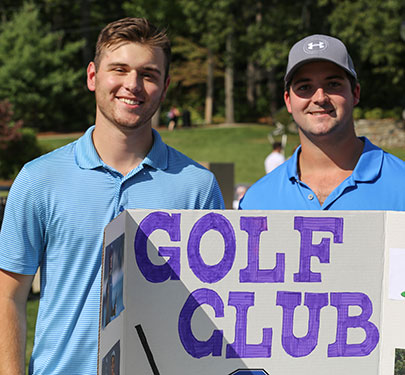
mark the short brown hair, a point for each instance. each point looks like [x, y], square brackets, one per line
[137, 30]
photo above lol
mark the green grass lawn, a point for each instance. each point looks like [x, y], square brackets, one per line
[49, 144]
[245, 146]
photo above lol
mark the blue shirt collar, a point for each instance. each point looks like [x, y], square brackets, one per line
[88, 158]
[292, 165]
[367, 169]
[369, 166]
[158, 155]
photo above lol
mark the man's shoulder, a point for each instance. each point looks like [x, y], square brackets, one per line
[271, 180]
[171, 160]
[392, 167]
[394, 161]
[191, 180]
[181, 163]
[40, 174]
[54, 157]
[373, 152]
[266, 191]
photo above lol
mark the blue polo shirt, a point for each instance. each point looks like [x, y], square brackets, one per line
[55, 216]
[377, 183]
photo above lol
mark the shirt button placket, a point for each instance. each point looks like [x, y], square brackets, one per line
[120, 204]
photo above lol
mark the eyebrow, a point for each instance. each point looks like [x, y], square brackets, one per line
[301, 80]
[336, 76]
[146, 67]
[152, 69]
[328, 78]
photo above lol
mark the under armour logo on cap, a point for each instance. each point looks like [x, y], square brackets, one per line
[315, 45]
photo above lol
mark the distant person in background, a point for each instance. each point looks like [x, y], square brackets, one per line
[173, 117]
[333, 169]
[275, 158]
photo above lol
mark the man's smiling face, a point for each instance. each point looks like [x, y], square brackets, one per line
[321, 100]
[129, 84]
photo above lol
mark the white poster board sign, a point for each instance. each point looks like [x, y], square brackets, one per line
[252, 293]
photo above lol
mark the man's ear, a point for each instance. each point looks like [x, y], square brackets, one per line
[167, 83]
[287, 100]
[91, 76]
[356, 94]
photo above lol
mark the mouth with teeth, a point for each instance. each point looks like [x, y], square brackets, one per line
[129, 101]
[322, 112]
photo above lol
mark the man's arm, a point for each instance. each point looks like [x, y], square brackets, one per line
[14, 290]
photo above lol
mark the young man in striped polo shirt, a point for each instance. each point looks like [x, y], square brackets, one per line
[60, 203]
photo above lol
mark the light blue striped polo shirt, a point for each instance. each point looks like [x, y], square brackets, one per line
[56, 212]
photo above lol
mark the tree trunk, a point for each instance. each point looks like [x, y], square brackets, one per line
[229, 79]
[250, 84]
[253, 72]
[209, 94]
[306, 15]
[272, 89]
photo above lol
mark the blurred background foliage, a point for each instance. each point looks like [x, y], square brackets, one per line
[229, 56]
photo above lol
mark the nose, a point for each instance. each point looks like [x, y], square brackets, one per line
[320, 96]
[133, 82]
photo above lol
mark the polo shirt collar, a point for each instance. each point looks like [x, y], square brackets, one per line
[158, 155]
[88, 158]
[367, 169]
[292, 165]
[85, 152]
[369, 166]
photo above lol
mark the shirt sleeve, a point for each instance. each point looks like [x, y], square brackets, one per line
[22, 231]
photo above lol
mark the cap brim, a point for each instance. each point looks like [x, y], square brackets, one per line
[289, 75]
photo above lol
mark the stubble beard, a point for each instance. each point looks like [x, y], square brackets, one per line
[118, 119]
[338, 129]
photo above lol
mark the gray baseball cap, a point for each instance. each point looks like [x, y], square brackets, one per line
[318, 47]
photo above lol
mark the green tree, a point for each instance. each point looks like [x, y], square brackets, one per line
[165, 14]
[374, 40]
[168, 15]
[189, 75]
[36, 74]
[211, 24]
[272, 27]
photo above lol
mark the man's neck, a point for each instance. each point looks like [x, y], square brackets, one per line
[122, 149]
[324, 166]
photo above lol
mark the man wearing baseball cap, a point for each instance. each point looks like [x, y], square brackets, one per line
[333, 169]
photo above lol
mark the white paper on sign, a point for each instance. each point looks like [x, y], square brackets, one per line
[397, 274]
